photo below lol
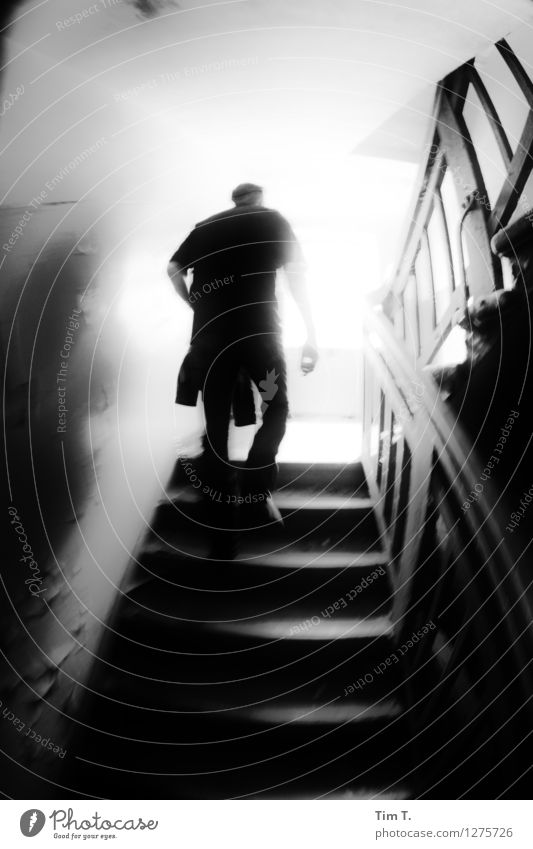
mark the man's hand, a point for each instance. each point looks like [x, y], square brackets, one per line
[178, 277]
[309, 357]
[297, 285]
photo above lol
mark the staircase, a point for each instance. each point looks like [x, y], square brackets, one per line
[236, 679]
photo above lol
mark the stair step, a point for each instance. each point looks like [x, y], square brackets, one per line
[295, 501]
[240, 739]
[329, 560]
[369, 792]
[293, 595]
[280, 627]
[181, 501]
[158, 687]
[289, 573]
[233, 632]
[344, 778]
[329, 715]
[348, 478]
[160, 682]
[324, 520]
[192, 543]
[259, 733]
[192, 653]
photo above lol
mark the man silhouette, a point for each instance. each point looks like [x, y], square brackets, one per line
[234, 256]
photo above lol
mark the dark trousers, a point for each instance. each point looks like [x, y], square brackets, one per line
[262, 358]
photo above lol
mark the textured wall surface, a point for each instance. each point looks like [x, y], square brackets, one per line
[83, 472]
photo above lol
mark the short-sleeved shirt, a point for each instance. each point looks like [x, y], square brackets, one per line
[234, 256]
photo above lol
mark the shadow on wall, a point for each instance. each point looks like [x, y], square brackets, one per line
[88, 448]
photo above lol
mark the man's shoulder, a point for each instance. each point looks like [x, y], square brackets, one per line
[238, 212]
[217, 215]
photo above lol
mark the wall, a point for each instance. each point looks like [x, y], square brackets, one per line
[89, 446]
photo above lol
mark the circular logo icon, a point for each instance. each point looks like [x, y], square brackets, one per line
[32, 822]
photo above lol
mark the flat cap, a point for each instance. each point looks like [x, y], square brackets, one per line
[245, 189]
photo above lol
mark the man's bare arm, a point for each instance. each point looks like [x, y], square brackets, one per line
[295, 272]
[178, 276]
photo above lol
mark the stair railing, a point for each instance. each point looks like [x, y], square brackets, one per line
[452, 568]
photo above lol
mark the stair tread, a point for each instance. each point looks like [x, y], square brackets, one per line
[186, 547]
[356, 465]
[285, 500]
[205, 603]
[274, 570]
[279, 627]
[321, 560]
[298, 574]
[174, 606]
[262, 732]
[104, 776]
[335, 477]
[287, 557]
[329, 714]
[170, 696]
[323, 501]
